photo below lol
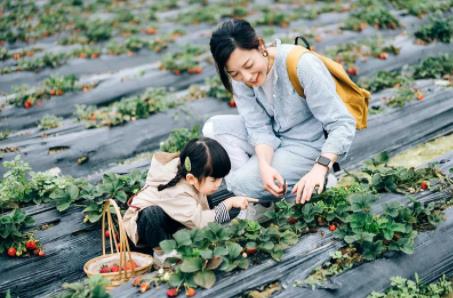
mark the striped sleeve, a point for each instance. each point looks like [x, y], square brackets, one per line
[221, 213]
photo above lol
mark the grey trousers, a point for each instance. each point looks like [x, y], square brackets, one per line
[292, 159]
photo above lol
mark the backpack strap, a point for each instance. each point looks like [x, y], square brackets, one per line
[291, 66]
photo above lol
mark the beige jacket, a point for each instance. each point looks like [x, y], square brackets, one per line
[181, 202]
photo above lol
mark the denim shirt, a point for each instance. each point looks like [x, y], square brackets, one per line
[295, 118]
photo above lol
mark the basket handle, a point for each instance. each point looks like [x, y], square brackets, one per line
[123, 248]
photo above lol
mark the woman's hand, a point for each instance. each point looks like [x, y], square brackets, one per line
[237, 202]
[305, 186]
[269, 176]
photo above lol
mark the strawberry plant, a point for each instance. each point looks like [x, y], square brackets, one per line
[58, 85]
[115, 48]
[349, 53]
[21, 187]
[178, 139]
[125, 110]
[384, 178]
[96, 30]
[401, 287]
[384, 79]
[49, 122]
[440, 28]
[87, 52]
[94, 286]
[208, 14]
[118, 187]
[135, 44]
[182, 61]
[434, 67]
[420, 8]
[403, 95]
[47, 60]
[374, 14]
[15, 188]
[53, 86]
[216, 89]
[13, 234]
[4, 134]
[273, 17]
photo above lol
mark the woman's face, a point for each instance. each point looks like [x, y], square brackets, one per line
[247, 66]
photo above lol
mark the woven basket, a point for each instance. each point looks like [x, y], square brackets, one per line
[122, 254]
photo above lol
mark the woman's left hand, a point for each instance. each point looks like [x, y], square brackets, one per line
[305, 186]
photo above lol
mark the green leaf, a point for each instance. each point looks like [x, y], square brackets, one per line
[234, 249]
[63, 205]
[73, 192]
[121, 196]
[182, 237]
[220, 251]
[191, 265]
[168, 245]
[206, 254]
[267, 246]
[175, 279]
[205, 279]
[350, 239]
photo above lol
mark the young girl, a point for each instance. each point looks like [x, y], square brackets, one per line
[278, 134]
[175, 193]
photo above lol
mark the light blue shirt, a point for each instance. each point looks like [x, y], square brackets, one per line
[294, 118]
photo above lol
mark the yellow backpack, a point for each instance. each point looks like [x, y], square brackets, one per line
[355, 98]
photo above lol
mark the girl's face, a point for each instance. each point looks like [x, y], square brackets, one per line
[206, 186]
[247, 66]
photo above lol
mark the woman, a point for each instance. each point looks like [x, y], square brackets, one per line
[277, 134]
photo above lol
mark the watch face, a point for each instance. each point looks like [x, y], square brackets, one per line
[323, 160]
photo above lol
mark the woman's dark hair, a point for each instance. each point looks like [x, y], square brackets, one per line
[230, 35]
[207, 159]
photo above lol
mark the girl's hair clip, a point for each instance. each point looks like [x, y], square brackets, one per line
[187, 164]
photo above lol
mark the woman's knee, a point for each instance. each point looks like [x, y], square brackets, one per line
[245, 183]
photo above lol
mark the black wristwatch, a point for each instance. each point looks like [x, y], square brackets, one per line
[324, 161]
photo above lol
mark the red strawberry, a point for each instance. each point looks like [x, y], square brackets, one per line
[104, 269]
[115, 268]
[250, 250]
[383, 56]
[12, 251]
[107, 234]
[30, 244]
[232, 103]
[52, 92]
[28, 104]
[195, 70]
[332, 227]
[41, 253]
[424, 185]
[292, 220]
[419, 95]
[150, 30]
[59, 92]
[144, 286]
[130, 265]
[190, 292]
[173, 292]
[352, 70]
[137, 281]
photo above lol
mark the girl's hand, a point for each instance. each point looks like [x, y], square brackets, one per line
[305, 186]
[269, 175]
[237, 202]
